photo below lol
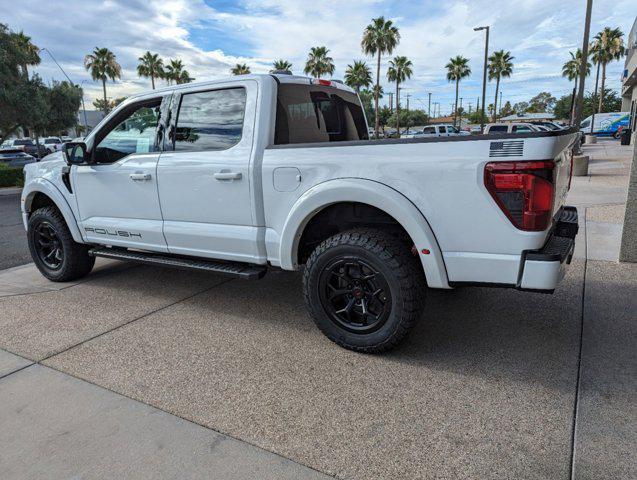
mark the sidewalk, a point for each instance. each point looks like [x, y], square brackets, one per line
[139, 372]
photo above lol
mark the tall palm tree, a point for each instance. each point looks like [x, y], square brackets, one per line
[399, 70]
[379, 37]
[457, 69]
[570, 70]
[184, 77]
[358, 76]
[103, 65]
[29, 53]
[240, 69]
[173, 71]
[608, 46]
[281, 66]
[150, 65]
[500, 65]
[318, 62]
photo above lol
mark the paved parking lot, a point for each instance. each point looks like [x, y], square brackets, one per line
[490, 384]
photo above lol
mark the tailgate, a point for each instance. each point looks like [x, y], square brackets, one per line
[563, 157]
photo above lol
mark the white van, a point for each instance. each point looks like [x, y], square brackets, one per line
[606, 124]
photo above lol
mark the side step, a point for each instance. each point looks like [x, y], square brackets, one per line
[245, 271]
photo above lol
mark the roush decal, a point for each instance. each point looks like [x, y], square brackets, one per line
[112, 233]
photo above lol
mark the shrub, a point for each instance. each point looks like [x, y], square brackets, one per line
[11, 176]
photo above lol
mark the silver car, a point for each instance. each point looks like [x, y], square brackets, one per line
[15, 158]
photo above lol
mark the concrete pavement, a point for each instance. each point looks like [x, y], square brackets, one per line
[13, 240]
[486, 386]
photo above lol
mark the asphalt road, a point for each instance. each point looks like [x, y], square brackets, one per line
[13, 241]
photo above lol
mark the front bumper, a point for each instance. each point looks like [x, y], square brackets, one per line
[543, 269]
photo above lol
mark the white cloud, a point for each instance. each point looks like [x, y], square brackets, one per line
[539, 33]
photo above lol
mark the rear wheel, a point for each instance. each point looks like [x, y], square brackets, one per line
[54, 252]
[364, 289]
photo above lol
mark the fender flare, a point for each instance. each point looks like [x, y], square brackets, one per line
[41, 185]
[372, 193]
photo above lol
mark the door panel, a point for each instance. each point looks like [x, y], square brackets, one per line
[204, 182]
[117, 209]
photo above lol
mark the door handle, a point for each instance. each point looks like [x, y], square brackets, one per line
[140, 177]
[228, 176]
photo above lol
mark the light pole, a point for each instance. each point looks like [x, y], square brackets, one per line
[484, 73]
[71, 82]
[429, 109]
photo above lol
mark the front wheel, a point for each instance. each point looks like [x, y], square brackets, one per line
[58, 257]
[364, 289]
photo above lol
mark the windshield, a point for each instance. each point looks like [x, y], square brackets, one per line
[23, 142]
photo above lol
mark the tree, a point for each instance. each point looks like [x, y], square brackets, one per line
[607, 47]
[173, 71]
[571, 70]
[240, 69]
[379, 37]
[399, 70]
[367, 101]
[319, 63]
[457, 69]
[150, 65]
[506, 110]
[184, 77]
[358, 76]
[64, 102]
[541, 103]
[30, 54]
[103, 65]
[500, 65]
[612, 103]
[520, 108]
[281, 66]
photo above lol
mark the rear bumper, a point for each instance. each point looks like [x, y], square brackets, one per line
[543, 269]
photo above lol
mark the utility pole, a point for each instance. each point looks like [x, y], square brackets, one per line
[391, 101]
[460, 114]
[484, 73]
[408, 95]
[429, 108]
[582, 67]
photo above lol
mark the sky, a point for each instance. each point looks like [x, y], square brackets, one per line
[210, 36]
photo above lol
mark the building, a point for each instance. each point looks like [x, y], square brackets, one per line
[629, 80]
[528, 117]
[90, 121]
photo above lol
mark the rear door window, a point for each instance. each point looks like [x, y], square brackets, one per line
[498, 129]
[442, 129]
[314, 113]
[429, 130]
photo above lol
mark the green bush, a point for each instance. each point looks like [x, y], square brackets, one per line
[11, 176]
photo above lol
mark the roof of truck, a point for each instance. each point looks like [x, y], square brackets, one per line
[278, 77]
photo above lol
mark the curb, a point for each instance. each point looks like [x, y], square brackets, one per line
[10, 191]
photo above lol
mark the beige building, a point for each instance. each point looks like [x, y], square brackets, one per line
[629, 80]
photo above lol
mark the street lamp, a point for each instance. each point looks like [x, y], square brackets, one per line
[484, 73]
[70, 81]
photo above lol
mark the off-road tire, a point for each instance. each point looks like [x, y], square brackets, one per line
[75, 261]
[393, 259]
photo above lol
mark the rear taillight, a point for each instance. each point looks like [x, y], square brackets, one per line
[320, 81]
[523, 190]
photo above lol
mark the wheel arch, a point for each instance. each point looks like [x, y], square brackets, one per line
[373, 194]
[41, 192]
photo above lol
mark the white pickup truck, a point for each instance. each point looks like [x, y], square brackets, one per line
[276, 171]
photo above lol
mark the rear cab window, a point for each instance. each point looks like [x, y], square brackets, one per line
[317, 113]
[498, 129]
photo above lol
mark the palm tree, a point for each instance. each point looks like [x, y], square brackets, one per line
[358, 76]
[399, 70]
[570, 70]
[319, 63]
[281, 66]
[29, 53]
[173, 71]
[240, 69]
[184, 77]
[379, 37]
[103, 65]
[457, 69]
[608, 46]
[150, 65]
[500, 65]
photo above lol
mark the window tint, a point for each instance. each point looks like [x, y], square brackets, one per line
[521, 129]
[134, 134]
[585, 123]
[314, 113]
[498, 129]
[210, 120]
[429, 130]
[24, 142]
[442, 129]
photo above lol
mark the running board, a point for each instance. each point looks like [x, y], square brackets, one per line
[245, 271]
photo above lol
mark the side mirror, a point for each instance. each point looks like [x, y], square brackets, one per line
[75, 153]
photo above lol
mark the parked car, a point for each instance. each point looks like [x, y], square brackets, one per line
[409, 133]
[492, 128]
[15, 157]
[606, 124]
[27, 145]
[66, 139]
[440, 130]
[52, 144]
[276, 171]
